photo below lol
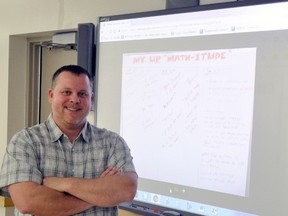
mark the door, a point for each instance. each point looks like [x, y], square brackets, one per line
[52, 59]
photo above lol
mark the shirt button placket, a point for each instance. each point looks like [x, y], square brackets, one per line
[73, 154]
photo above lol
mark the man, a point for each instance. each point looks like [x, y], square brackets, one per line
[65, 166]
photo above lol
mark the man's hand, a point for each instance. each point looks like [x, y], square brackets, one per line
[111, 171]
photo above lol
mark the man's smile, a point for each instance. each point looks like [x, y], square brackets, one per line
[73, 109]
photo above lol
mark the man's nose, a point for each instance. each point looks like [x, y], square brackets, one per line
[75, 98]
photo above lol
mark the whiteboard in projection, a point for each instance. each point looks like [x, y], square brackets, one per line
[195, 109]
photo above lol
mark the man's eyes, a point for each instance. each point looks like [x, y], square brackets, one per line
[66, 92]
[83, 94]
[80, 94]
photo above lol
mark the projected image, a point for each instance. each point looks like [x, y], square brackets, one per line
[195, 109]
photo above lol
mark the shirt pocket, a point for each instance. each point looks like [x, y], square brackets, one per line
[94, 168]
[54, 167]
[52, 162]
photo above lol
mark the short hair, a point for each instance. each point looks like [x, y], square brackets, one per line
[74, 69]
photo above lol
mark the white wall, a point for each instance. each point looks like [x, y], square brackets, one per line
[20, 20]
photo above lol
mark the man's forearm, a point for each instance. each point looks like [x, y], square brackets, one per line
[107, 191]
[31, 198]
[63, 205]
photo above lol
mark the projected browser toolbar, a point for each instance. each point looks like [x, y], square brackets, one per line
[195, 24]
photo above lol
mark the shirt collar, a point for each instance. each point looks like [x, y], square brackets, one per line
[56, 133]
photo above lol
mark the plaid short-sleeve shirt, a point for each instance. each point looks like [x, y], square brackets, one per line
[43, 150]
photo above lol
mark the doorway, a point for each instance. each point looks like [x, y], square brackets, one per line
[44, 59]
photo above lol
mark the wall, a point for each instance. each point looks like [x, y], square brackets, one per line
[20, 20]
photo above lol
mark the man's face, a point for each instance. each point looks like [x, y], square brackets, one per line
[71, 100]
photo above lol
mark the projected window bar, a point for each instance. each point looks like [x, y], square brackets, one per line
[186, 205]
[196, 24]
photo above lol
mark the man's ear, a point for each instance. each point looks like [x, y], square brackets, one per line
[50, 95]
[92, 97]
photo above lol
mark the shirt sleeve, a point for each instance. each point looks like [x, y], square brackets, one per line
[120, 155]
[19, 163]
